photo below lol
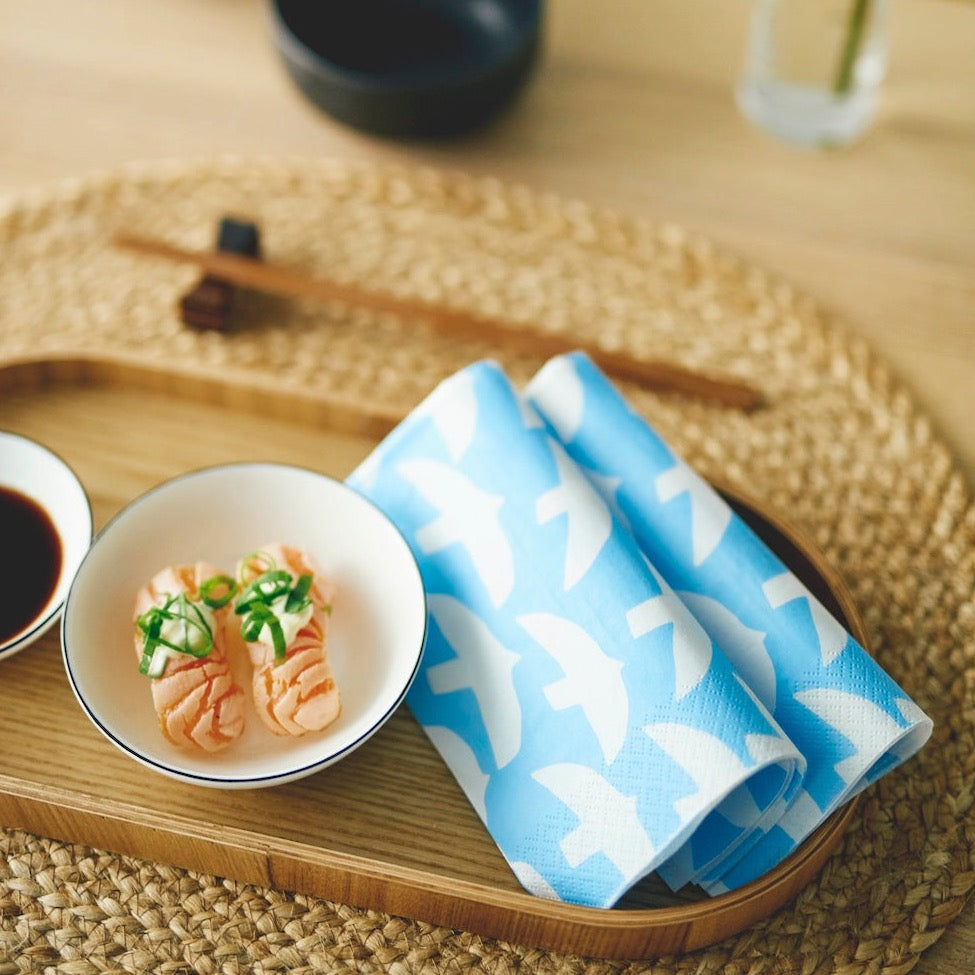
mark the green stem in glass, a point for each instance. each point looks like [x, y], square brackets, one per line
[859, 13]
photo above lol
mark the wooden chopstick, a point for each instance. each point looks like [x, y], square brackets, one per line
[259, 275]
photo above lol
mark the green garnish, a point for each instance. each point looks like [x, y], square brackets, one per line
[257, 618]
[298, 597]
[224, 587]
[177, 627]
[264, 602]
[267, 587]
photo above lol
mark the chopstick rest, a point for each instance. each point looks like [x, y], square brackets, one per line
[588, 717]
[848, 718]
[209, 304]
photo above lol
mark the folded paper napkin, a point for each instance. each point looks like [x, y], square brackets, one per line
[619, 674]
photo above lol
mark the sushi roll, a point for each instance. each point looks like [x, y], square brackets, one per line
[284, 604]
[183, 628]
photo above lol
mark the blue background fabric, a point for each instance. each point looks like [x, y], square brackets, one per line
[602, 725]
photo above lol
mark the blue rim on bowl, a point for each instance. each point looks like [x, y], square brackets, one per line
[35, 472]
[376, 634]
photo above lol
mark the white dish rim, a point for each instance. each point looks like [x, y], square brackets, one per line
[293, 772]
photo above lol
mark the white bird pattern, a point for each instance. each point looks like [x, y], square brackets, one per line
[919, 728]
[608, 486]
[593, 680]
[867, 727]
[784, 588]
[740, 809]
[485, 666]
[468, 479]
[712, 766]
[799, 820]
[559, 394]
[468, 516]
[608, 820]
[710, 514]
[529, 878]
[463, 763]
[588, 520]
[764, 749]
[692, 646]
[742, 645]
[458, 424]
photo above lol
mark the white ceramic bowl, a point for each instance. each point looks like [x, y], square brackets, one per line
[35, 472]
[376, 630]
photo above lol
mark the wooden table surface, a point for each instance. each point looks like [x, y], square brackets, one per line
[630, 108]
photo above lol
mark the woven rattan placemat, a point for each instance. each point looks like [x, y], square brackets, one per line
[840, 448]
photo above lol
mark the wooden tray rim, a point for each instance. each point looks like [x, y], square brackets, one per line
[359, 881]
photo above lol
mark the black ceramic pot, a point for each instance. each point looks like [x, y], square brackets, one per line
[409, 67]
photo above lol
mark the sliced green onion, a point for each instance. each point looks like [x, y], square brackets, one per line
[226, 590]
[253, 622]
[298, 597]
[256, 602]
[150, 624]
[257, 618]
[267, 587]
[277, 638]
[263, 559]
[193, 637]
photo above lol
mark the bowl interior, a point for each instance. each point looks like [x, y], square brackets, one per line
[376, 629]
[38, 474]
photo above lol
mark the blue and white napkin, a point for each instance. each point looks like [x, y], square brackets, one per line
[848, 718]
[602, 726]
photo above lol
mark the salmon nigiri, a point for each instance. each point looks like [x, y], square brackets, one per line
[182, 616]
[284, 604]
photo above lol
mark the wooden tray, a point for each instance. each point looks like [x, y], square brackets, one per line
[387, 828]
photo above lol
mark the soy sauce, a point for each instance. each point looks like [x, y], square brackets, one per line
[33, 549]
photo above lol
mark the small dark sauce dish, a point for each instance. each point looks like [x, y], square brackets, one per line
[27, 529]
[407, 68]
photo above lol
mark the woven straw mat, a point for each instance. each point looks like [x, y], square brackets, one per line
[840, 448]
